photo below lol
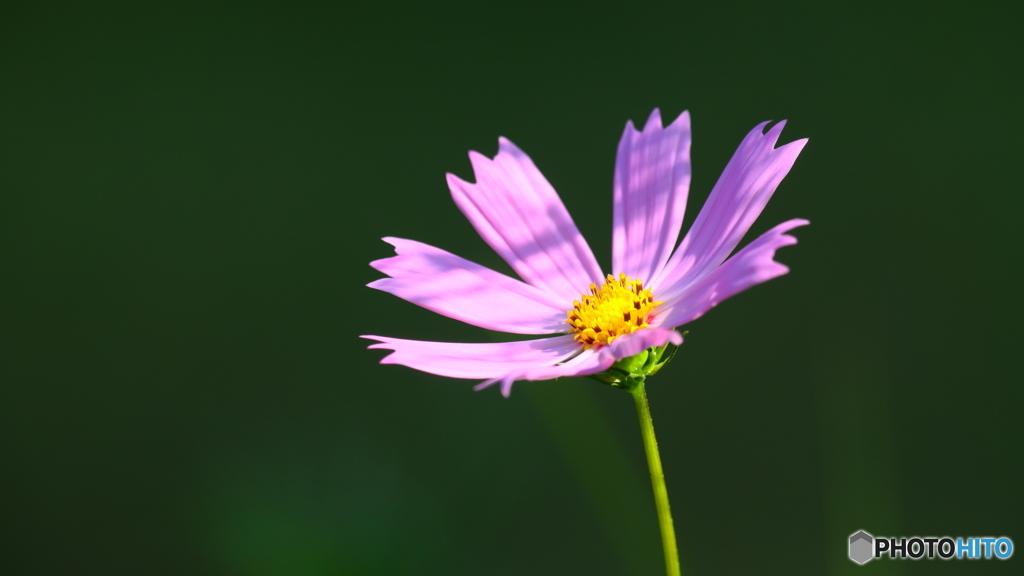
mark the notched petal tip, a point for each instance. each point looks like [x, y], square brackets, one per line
[683, 120]
[508, 148]
[789, 225]
[653, 121]
[771, 137]
[506, 145]
[476, 159]
[775, 132]
[380, 341]
[485, 384]
[376, 264]
[794, 147]
[382, 344]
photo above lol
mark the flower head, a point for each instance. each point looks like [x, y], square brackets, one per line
[600, 319]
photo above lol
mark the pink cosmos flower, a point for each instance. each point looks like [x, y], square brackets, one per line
[599, 319]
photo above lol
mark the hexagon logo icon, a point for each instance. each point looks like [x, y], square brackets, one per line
[861, 544]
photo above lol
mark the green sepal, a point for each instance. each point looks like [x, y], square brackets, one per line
[634, 364]
[628, 372]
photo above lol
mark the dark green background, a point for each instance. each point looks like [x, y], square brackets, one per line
[189, 198]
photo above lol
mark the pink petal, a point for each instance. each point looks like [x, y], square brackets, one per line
[637, 342]
[752, 265]
[517, 212]
[592, 360]
[457, 288]
[652, 179]
[737, 199]
[587, 362]
[487, 360]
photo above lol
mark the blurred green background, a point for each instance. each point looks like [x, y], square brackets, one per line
[189, 197]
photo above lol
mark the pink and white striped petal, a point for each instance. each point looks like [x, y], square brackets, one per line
[486, 360]
[746, 185]
[455, 287]
[750, 266]
[652, 180]
[517, 212]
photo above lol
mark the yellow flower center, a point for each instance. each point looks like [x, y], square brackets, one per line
[619, 306]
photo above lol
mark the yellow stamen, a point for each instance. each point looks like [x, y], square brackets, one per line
[619, 306]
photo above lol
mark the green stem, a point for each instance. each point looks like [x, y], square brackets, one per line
[668, 531]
